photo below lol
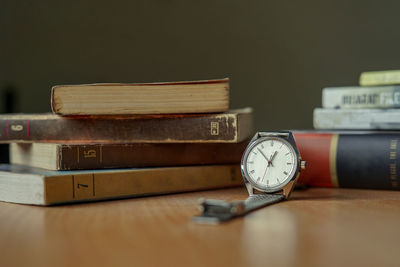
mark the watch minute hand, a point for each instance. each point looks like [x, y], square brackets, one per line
[262, 153]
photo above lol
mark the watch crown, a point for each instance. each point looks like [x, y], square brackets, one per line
[303, 164]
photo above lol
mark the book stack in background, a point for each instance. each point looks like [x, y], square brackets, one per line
[358, 138]
[374, 105]
[106, 141]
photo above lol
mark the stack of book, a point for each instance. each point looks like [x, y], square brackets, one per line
[107, 141]
[373, 105]
[357, 142]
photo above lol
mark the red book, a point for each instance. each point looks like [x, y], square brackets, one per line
[315, 148]
[369, 160]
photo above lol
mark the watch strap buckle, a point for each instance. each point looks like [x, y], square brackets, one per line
[216, 211]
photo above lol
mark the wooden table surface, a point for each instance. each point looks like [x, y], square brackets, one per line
[317, 227]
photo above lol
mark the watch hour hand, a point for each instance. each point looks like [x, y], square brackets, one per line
[272, 158]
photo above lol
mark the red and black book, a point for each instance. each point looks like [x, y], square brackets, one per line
[369, 160]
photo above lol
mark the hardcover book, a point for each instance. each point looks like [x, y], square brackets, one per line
[386, 77]
[230, 127]
[54, 156]
[365, 160]
[361, 97]
[357, 119]
[144, 98]
[26, 185]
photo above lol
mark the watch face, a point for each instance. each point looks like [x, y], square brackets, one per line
[269, 163]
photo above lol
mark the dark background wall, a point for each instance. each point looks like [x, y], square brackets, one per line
[278, 54]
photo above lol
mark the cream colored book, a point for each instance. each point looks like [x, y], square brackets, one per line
[361, 97]
[206, 96]
[356, 119]
[386, 77]
[27, 185]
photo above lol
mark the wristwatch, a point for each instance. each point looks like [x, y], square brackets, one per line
[270, 167]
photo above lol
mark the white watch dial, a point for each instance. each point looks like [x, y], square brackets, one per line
[270, 163]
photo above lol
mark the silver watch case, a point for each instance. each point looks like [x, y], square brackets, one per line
[285, 188]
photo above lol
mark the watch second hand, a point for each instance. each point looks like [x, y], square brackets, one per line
[266, 169]
[269, 162]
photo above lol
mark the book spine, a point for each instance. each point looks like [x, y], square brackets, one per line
[123, 184]
[361, 97]
[147, 155]
[364, 161]
[372, 78]
[109, 129]
[357, 119]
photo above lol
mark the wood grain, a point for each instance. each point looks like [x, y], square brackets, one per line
[317, 227]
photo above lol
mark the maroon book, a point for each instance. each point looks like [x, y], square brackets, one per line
[230, 127]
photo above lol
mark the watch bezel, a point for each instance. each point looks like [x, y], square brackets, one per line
[268, 189]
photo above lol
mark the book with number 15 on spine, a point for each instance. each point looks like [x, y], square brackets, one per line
[54, 156]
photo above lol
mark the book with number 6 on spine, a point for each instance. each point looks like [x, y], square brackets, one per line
[230, 127]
